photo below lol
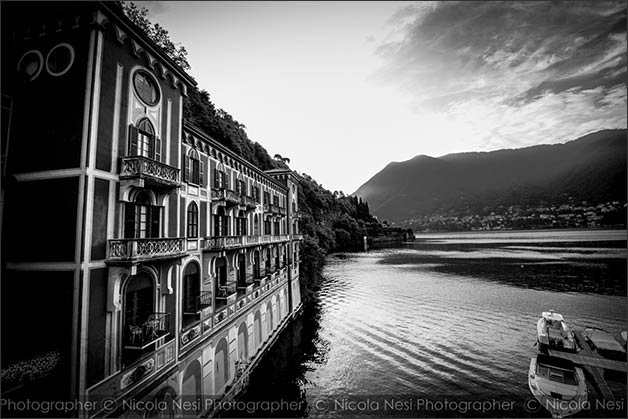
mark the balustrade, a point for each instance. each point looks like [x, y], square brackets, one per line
[152, 170]
[145, 249]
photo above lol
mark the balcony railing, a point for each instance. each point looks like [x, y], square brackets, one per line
[247, 201]
[229, 242]
[140, 336]
[196, 304]
[140, 167]
[130, 250]
[226, 290]
[226, 195]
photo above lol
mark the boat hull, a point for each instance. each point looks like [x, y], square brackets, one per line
[554, 403]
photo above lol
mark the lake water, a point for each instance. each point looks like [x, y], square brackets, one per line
[444, 326]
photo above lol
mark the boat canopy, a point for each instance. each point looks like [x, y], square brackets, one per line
[603, 340]
[553, 317]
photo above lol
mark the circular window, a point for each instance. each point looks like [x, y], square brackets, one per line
[30, 64]
[60, 59]
[146, 88]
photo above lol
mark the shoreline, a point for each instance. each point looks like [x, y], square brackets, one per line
[519, 230]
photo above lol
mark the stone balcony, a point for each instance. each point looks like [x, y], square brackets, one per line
[226, 196]
[141, 250]
[248, 201]
[141, 170]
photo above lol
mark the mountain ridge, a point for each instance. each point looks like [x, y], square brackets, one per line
[589, 168]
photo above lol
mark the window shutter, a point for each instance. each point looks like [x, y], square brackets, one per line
[158, 149]
[201, 174]
[186, 168]
[133, 133]
[195, 171]
[151, 147]
[129, 220]
[216, 225]
[154, 222]
[216, 178]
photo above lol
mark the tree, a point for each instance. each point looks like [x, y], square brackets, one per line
[278, 157]
[156, 33]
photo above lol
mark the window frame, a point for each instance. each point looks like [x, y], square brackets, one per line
[192, 221]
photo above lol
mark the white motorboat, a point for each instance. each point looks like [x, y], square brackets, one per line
[558, 385]
[553, 332]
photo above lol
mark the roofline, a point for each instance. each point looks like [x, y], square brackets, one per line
[128, 24]
[206, 137]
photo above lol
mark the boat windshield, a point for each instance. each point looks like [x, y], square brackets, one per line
[557, 375]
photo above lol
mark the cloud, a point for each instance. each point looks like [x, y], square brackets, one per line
[486, 63]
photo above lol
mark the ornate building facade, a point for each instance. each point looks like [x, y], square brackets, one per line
[151, 261]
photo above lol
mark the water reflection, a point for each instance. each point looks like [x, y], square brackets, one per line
[438, 321]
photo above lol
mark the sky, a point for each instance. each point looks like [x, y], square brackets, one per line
[344, 88]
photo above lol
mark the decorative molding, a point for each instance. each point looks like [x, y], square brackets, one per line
[121, 36]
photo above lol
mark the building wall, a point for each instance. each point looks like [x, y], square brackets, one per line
[76, 186]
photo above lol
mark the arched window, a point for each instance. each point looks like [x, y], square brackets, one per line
[241, 224]
[142, 326]
[193, 168]
[257, 274]
[193, 302]
[143, 141]
[221, 223]
[241, 187]
[221, 366]
[220, 179]
[267, 226]
[141, 219]
[192, 220]
[268, 258]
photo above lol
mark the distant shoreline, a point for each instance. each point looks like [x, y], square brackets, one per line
[416, 234]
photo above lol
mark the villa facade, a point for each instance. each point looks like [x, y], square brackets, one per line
[152, 261]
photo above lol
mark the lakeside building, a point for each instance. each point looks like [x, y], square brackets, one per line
[141, 259]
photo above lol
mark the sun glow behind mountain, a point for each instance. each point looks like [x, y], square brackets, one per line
[343, 88]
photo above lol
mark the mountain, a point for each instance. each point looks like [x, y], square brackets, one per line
[591, 168]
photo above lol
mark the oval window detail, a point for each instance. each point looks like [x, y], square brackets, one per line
[30, 64]
[146, 88]
[60, 59]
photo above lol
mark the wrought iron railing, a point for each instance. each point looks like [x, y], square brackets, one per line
[226, 290]
[138, 249]
[139, 336]
[226, 242]
[196, 303]
[140, 166]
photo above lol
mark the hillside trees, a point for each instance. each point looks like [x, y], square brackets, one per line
[330, 221]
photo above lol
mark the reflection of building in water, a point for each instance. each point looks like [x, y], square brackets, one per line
[150, 260]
